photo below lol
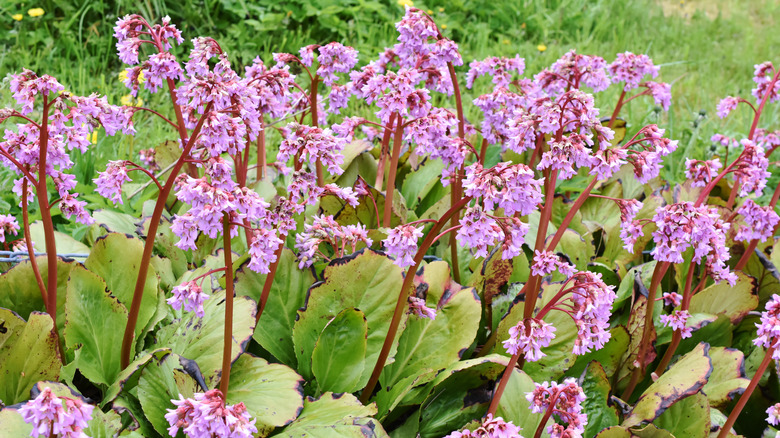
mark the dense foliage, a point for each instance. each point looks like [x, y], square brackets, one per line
[512, 264]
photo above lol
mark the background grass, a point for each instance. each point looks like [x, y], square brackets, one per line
[706, 48]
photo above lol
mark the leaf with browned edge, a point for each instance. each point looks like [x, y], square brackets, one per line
[684, 378]
[728, 375]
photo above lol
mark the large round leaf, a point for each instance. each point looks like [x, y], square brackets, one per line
[116, 258]
[451, 332]
[338, 359]
[515, 407]
[723, 299]
[28, 354]
[728, 375]
[95, 322]
[368, 281]
[334, 416]
[272, 393]
[287, 295]
[201, 339]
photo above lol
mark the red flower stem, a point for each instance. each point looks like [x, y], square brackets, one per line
[733, 195]
[316, 123]
[547, 414]
[455, 194]
[483, 151]
[192, 169]
[228, 337]
[403, 297]
[383, 152]
[138, 292]
[397, 143]
[175, 126]
[743, 399]
[570, 215]
[261, 158]
[269, 280]
[499, 391]
[618, 107]
[30, 248]
[658, 274]
[677, 334]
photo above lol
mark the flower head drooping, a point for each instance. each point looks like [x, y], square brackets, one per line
[769, 327]
[762, 76]
[727, 105]
[661, 92]
[563, 400]
[760, 222]
[576, 70]
[324, 229]
[56, 416]
[671, 299]
[479, 230]
[630, 229]
[206, 415]
[700, 173]
[26, 85]
[191, 296]
[490, 428]
[631, 69]
[8, 224]
[109, 183]
[547, 262]
[401, 243]
[417, 306]
[677, 320]
[335, 57]
[591, 301]
[773, 414]
[529, 337]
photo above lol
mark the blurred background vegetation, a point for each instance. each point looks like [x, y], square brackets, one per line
[707, 50]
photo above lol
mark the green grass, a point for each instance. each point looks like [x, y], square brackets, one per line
[707, 49]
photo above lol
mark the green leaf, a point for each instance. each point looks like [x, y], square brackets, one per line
[723, 299]
[287, 295]
[686, 377]
[452, 332]
[104, 425]
[12, 423]
[614, 432]
[116, 258]
[334, 416]
[595, 384]
[201, 339]
[21, 292]
[64, 243]
[166, 380]
[389, 397]
[338, 359]
[514, 407]
[94, 326]
[28, 353]
[651, 431]
[128, 378]
[366, 280]
[272, 393]
[728, 375]
[689, 417]
[418, 183]
[115, 222]
[636, 327]
[577, 248]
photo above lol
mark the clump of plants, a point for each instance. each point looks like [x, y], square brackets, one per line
[389, 268]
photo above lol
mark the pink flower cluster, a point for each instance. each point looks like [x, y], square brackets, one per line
[547, 262]
[8, 224]
[133, 30]
[56, 416]
[701, 172]
[324, 229]
[765, 78]
[529, 337]
[479, 230]
[760, 222]
[206, 416]
[683, 225]
[564, 401]
[490, 428]
[631, 69]
[677, 320]
[109, 183]
[751, 169]
[302, 141]
[500, 69]
[505, 185]
[769, 327]
[417, 307]
[191, 296]
[401, 243]
[773, 413]
[591, 301]
[574, 70]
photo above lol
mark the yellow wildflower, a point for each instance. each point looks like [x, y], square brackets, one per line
[289, 13]
[506, 41]
[541, 47]
[17, 17]
[93, 137]
[141, 78]
[430, 11]
[409, 3]
[522, 26]
[35, 12]
[126, 100]
[443, 26]
[441, 9]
